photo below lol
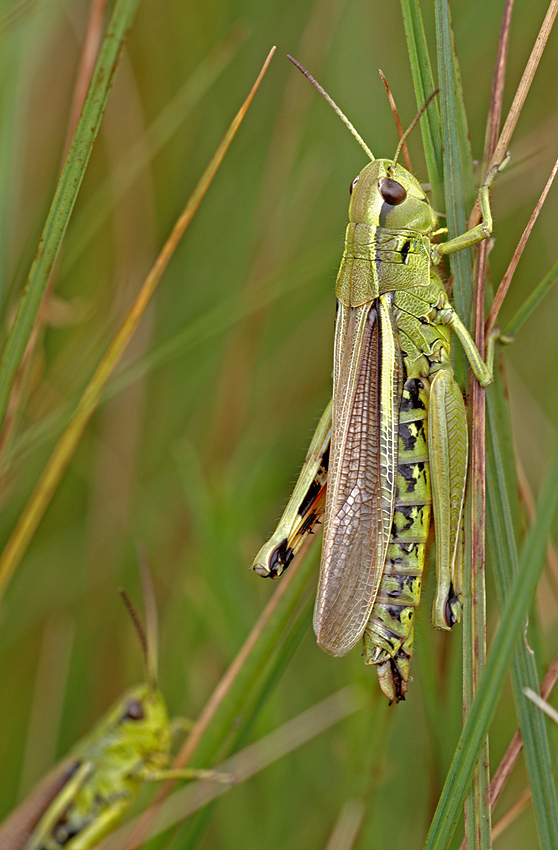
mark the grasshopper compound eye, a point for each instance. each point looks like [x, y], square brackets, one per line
[391, 191]
[353, 184]
[134, 711]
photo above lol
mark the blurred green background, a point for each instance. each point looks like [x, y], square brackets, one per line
[203, 430]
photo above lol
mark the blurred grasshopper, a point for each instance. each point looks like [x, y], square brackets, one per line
[393, 441]
[87, 795]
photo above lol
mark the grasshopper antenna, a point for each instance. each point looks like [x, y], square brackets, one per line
[151, 619]
[397, 120]
[148, 634]
[335, 108]
[413, 124]
[138, 625]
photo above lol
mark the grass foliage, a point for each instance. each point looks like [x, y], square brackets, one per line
[202, 429]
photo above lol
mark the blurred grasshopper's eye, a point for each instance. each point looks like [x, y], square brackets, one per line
[134, 711]
[391, 191]
[353, 184]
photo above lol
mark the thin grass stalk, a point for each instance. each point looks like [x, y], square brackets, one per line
[521, 94]
[524, 667]
[91, 43]
[511, 755]
[84, 75]
[50, 478]
[506, 280]
[478, 826]
[253, 703]
[65, 196]
[512, 626]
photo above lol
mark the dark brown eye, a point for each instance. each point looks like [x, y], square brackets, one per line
[353, 184]
[134, 711]
[391, 191]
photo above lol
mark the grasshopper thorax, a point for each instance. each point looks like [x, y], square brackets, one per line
[387, 195]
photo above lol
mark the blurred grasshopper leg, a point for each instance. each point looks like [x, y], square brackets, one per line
[104, 823]
[304, 509]
[447, 445]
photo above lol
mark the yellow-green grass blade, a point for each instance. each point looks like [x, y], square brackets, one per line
[513, 617]
[65, 196]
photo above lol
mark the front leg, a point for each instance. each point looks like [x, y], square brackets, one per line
[482, 230]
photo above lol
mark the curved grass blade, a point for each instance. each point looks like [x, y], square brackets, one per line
[65, 196]
[47, 484]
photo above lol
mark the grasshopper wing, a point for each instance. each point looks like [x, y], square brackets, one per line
[17, 829]
[367, 382]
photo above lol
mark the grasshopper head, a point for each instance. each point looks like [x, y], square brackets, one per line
[385, 194]
[140, 718]
[139, 723]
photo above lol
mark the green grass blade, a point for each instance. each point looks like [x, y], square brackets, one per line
[503, 520]
[65, 195]
[477, 722]
[459, 195]
[424, 85]
[458, 161]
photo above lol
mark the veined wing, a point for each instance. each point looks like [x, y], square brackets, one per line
[367, 381]
[16, 830]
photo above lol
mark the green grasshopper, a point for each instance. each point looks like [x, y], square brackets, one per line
[393, 441]
[88, 794]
